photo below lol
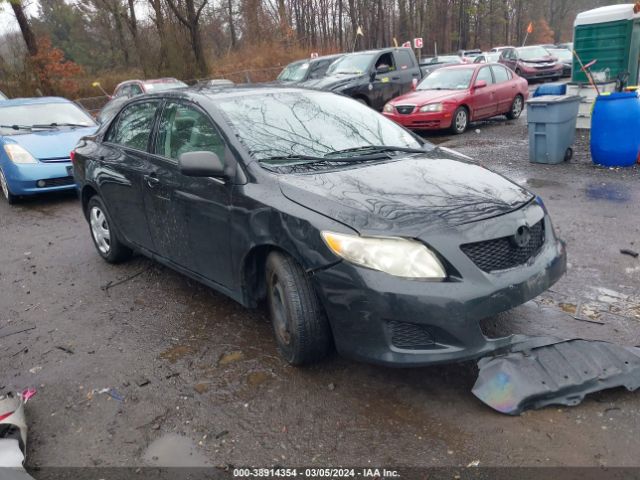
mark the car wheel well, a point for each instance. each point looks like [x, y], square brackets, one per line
[466, 107]
[254, 285]
[87, 192]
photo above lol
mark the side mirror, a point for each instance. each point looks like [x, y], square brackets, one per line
[414, 84]
[481, 84]
[201, 164]
[381, 70]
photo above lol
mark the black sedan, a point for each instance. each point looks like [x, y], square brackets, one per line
[356, 232]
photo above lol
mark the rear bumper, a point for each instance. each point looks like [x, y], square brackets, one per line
[422, 121]
[23, 179]
[374, 316]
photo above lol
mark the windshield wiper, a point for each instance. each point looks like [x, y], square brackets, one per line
[372, 150]
[56, 125]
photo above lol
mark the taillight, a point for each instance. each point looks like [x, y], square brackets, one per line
[72, 156]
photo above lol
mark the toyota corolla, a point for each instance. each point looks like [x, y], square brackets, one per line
[357, 233]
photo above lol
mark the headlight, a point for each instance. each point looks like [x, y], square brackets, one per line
[434, 107]
[17, 154]
[388, 108]
[396, 256]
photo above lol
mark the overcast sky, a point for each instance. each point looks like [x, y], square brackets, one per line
[7, 18]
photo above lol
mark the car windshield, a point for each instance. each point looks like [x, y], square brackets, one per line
[26, 116]
[352, 64]
[533, 53]
[163, 86]
[294, 72]
[289, 124]
[562, 54]
[448, 79]
[446, 59]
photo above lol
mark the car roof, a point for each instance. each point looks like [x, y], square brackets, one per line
[16, 102]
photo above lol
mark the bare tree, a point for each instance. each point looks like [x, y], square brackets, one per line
[189, 14]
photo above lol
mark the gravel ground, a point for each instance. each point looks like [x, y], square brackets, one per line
[137, 365]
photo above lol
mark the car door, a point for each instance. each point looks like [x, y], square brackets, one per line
[407, 70]
[484, 99]
[382, 88]
[189, 216]
[509, 58]
[122, 163]
[506, 88]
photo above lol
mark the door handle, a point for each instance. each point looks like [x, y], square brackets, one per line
[152, 180]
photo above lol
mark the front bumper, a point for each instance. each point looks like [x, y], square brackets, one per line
[422, 121]
[366, 307]
[535, 74]
[23, 179]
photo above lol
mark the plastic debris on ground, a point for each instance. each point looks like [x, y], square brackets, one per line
[13, 435]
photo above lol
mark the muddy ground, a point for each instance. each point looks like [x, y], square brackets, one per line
[137, 365]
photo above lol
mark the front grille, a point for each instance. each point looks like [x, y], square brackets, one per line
[504, 253]
[409, 336]
[56, 182]
[405, 109]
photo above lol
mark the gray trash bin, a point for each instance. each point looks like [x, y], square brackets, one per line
[552, 127]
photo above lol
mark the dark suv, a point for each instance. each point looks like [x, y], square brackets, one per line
[373, 77]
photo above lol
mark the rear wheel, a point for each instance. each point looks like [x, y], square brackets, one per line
[460, 121]
[299, 323]
[516, 108]
[6, 191]
[105, 238]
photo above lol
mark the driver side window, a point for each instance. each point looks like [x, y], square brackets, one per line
[184, 128]
[386, 60]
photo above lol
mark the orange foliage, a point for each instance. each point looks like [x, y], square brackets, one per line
[56, 74]
[542, 33]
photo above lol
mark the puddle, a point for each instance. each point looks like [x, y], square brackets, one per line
[174, 450]
[611, 192]
[176, 353]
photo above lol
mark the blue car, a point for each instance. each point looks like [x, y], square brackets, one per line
[37, 136]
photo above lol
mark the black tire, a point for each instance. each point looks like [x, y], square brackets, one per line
[568, 155]
[458, 125]
[300, 325]
[516, 108]
[110, 247]
[6, 191]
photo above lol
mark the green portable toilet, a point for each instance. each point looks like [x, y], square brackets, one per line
[610, 35]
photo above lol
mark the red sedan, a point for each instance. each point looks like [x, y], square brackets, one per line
[452, 97]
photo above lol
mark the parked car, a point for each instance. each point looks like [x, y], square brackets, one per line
[499, 49]
[372, 77]
[355, 231]
[452, 97]
[487, 57]
[567, 46]
[36, 136]
[304, 70]
[438, 62]
[566, 58]
[469, 55]
[532, 63]
[131, 88]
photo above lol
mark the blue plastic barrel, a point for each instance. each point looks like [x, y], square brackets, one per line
[615, 130]
[551, 89]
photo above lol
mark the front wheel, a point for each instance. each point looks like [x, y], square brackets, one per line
[6, 191]
[300, 326]
[516, 108]
[105, 238]
[460, 121]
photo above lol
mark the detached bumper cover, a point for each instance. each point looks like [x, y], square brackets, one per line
[392, 321]
[532, 375]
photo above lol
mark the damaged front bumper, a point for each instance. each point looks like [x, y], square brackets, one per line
[391, 321]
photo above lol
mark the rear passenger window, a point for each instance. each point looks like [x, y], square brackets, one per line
[405, 60]
[501, 74]
[133, 126]
[184, 129]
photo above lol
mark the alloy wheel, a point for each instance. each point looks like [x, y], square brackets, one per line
[279, 311]
[516, 110]
[100, 230]
[461, 121]
[4, 186]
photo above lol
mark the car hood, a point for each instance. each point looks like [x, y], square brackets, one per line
[331, 82]
[547, 59]
[421, 97]
[407, 197]
[47, 144]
